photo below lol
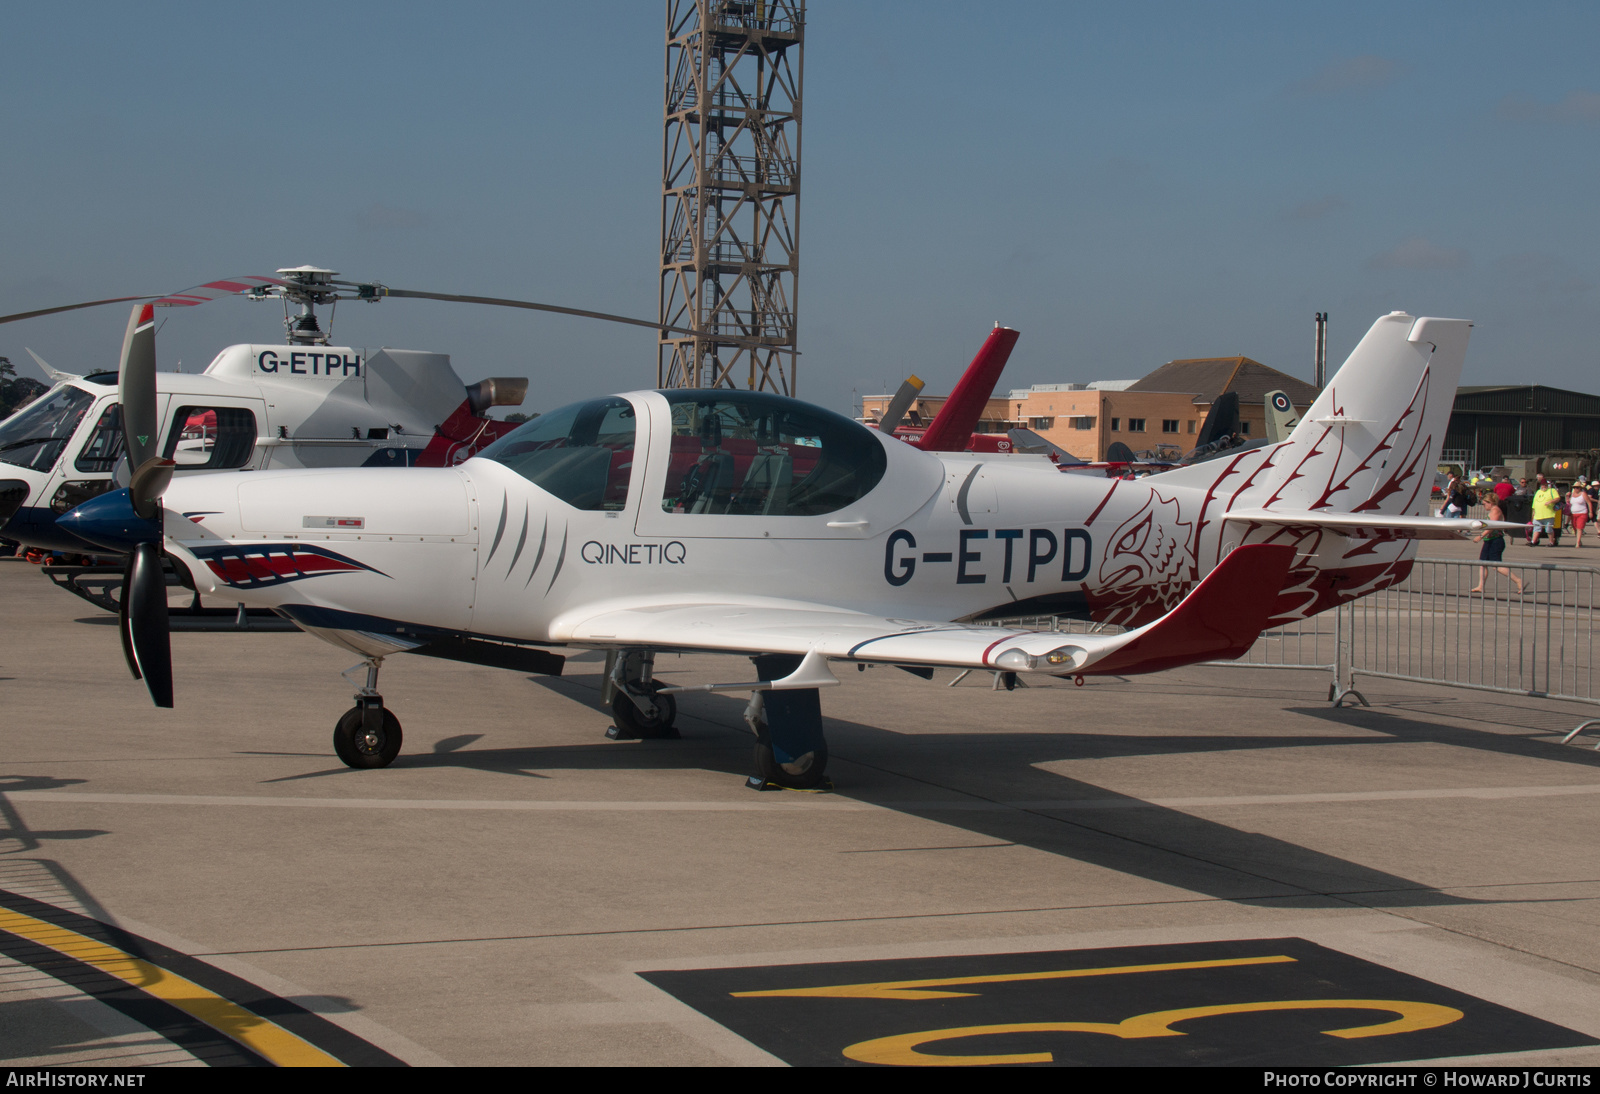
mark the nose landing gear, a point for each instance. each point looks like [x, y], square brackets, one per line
[636, 705]
[369, 734]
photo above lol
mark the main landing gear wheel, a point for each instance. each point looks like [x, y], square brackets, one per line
[804, 772]
[632, 720]
[359, 746]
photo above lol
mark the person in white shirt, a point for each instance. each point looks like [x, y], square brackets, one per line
[1578, 507]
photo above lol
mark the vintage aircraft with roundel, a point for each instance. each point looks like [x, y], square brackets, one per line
[301, 403]
[750, 524]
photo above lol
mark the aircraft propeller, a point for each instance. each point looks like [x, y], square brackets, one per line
[130, 520]
[146, 641]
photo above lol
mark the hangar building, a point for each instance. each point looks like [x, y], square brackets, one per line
[1489, 424]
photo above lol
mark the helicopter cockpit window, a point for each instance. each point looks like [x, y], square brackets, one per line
[583, 453]
[35, 435]
[105, 444]
[211, 437]
[765, 455]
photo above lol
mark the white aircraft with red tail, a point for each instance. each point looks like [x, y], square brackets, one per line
[744, 523]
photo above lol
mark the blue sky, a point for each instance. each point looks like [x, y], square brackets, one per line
[1125, 184]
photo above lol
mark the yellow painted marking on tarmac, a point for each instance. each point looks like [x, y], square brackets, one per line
[901, 1049]
[919, 989]
[251, 1030]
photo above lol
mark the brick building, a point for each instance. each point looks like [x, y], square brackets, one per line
[1161, 413]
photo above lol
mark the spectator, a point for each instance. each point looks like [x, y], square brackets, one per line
[1546, 502]
[1578, 508]
[1503, 489]
[1493, 549]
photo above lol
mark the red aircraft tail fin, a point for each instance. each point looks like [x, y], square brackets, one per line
[952, 428]
[1218, 621]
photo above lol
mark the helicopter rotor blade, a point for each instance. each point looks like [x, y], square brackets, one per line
[238, 286]
[70, 307]
[500, 302]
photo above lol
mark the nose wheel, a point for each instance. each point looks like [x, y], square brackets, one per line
[637, 705]
[369, 734]
[631, 718]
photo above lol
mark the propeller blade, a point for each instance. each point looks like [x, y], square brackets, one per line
[146, 636]
[136, 386]
[122, 621]
[903, 398]
[149, 482]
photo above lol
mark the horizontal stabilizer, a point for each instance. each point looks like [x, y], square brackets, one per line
[1374, 525]
[1219, 620]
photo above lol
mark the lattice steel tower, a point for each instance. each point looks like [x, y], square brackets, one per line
[730, 193]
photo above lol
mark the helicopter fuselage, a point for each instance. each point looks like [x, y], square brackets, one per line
[255, 407]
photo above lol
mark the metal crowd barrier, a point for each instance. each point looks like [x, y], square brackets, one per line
[1433, 629]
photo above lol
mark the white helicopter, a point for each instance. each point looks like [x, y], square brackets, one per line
[751, 524]
[306, 403]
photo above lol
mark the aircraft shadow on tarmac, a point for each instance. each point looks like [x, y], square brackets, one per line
[1005, 796]
[15, 835]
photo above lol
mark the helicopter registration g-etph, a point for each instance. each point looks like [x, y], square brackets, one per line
[745, 523]
[306, 403]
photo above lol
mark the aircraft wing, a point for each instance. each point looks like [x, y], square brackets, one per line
[1219, 618]
[1375, 525]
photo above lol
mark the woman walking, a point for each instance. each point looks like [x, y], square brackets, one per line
[1493, 549]
[1578, 508]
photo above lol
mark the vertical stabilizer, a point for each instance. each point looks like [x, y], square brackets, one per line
[951, 429]
[1369, 442]
[1280, 416]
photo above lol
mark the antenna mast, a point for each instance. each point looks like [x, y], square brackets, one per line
[730, 194]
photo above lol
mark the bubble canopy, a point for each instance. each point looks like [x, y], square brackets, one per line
[731, 452]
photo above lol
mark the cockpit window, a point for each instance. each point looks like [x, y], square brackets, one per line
[34, 436]
[105, 444]
[765, 455]
[583, 453]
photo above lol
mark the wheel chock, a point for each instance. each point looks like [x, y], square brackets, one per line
[756, 782]
[617, 733]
